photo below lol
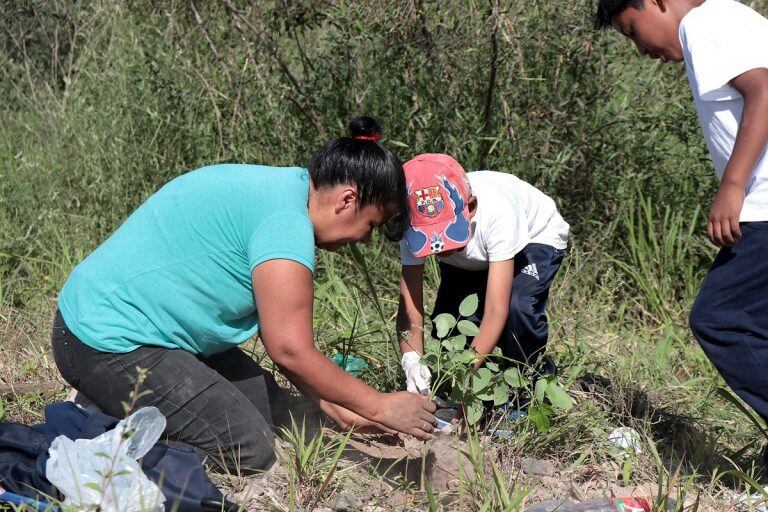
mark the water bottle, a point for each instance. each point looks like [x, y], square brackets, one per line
[600, 505]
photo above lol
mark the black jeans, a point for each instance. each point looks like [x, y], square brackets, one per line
[730, 315]
[525, 337]
[221, 405]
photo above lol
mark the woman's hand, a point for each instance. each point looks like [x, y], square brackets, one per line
[407, 413]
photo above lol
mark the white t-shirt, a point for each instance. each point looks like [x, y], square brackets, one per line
[510, 214]
[722, 39]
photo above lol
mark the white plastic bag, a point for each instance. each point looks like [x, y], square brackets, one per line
[626, 438]
[103, 472]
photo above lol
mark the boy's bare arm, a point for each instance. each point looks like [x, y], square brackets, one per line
[496, 311]
[723, 227]
[410, 311]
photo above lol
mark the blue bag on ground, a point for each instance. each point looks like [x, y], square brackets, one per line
[175, 467]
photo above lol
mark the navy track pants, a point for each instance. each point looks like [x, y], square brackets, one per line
[730, 315]
[525, 337]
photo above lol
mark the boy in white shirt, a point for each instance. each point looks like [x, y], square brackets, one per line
[488, 230]
[724, 45]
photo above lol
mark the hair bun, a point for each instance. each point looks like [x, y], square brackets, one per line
[364, 128]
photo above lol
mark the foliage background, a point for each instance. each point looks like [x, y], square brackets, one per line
[102, 102]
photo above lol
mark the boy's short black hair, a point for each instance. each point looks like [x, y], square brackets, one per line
[607, 9]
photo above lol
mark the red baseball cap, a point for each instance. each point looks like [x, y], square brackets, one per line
[438, 193]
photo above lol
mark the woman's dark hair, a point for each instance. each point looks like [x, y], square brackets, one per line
[361, 160]
[607, 9]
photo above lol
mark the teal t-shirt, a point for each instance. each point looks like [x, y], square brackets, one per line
[177, 273]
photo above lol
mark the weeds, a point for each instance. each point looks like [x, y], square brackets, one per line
[663, 267]
[311, 462]
[453, 365]
[485, 488]
[103, 102]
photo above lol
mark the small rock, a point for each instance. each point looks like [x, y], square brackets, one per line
[250, 492]
[348, 501]
[537, 467]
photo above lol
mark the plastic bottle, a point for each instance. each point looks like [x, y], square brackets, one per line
[600, 505]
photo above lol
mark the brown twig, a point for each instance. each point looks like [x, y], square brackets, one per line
[47, 387]
[303, 98]
[488, 109]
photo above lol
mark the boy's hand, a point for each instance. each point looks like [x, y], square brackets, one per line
[407, 413]
[418, 378]
[723, 226]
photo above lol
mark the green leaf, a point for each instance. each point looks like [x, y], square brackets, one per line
[468, 328]
[540, 390]
[444, 322]
[2, 408]
[514, 378]
[481, 379]
[492, 366]
[456, 396]
[487, 394]
[468, 306]
[459, 342]
[93, 486]
[432, 346]
[539, 416]
[474, 411]
[558, 396]
[430, 360]
[500, 394]
[746, 412]
[467, 356]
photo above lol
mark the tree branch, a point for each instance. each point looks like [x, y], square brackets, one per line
[306, 105]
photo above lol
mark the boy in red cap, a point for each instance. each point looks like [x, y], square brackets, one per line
[487, 229]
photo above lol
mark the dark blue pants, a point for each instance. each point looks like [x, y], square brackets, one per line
[730, 315]
[525, 337]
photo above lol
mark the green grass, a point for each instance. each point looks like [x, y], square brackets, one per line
[130, 95]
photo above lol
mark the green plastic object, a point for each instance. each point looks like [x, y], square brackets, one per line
[351, 364]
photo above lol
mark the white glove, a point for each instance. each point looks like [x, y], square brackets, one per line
[417, 375]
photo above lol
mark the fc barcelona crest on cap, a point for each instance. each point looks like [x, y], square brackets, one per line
[429, 201]
[438, 196]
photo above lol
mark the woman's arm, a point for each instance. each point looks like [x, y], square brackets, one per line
[496, 311]
[283, 292]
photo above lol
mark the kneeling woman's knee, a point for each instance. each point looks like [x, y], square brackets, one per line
[248, 455]
[257, 454]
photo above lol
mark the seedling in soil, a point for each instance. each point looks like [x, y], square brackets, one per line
[452, 362]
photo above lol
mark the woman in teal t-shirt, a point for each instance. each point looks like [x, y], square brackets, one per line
[212, 258]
